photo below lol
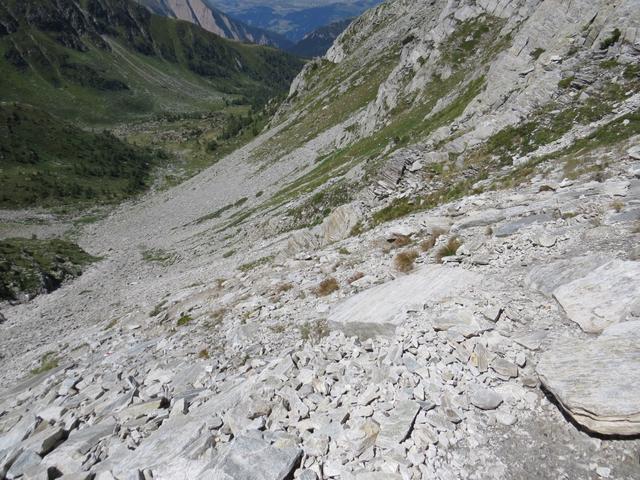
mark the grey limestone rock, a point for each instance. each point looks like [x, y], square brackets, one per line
[253, 458]
[597, 381]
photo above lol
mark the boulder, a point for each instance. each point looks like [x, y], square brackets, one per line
[19, 432]
[603, 297]
[253, 458]
[25, 460]
[70, 456]
[395, 428]
[597, 381]
[339, 223]
[634, 152]
[301, 240]
[485, 398]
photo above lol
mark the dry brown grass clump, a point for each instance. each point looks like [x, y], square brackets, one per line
[404, 261]
[356, 276]
[204, 354]
[327, 287]
[429, 242]
[449, 249]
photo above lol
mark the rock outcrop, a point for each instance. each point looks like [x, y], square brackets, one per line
[597, 380]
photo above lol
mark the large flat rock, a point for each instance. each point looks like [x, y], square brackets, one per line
[597, 381]
[605, 296]
[253, 458]
[380, 309]
[549, 276]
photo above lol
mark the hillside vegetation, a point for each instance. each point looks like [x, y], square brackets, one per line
[45, 161]
[105, 61]
[30, 266]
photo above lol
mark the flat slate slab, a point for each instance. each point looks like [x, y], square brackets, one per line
[379, 309]
[597, 381]
[547, 277]
[603, 297]
[251, 458]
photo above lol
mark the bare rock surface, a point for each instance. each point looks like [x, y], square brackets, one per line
[603, 297]
[279, 339]
[382, 307]
[597, 380]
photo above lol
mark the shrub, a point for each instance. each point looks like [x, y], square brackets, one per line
[327, 287]
[246, 267]
[357, 229]
[204, 354]
[217, 316]
[184, 320]
[158, 255]
[344, 251]
[449, 249]
[566, 82]
[49, 361]
[536, 53]
[429, 242]
[314, 331]
[157, 310]
[403, 262]
[278, 328]
[111, 324]
[611, 40]
[636, 228]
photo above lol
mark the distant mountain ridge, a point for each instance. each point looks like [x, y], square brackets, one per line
[293, 18]
[208, 17]
[316, 43]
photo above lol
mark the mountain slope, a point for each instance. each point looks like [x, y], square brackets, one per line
[436, 236]
[106, 60]
[47, 161]
[210, 18]
[316, 43]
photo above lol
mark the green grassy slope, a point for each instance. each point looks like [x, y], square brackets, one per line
[107, 61]
[30, 266]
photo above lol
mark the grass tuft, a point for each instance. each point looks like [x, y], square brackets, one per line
[327, 287]
[449, 249]
[430, 242]
[314, 331]
[404, 261]
[49, 361]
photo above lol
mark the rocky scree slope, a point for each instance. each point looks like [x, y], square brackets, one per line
[390, 282]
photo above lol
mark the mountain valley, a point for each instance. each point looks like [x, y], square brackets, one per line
[416, 258]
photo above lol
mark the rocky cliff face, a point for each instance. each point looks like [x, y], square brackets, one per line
[427, 261]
